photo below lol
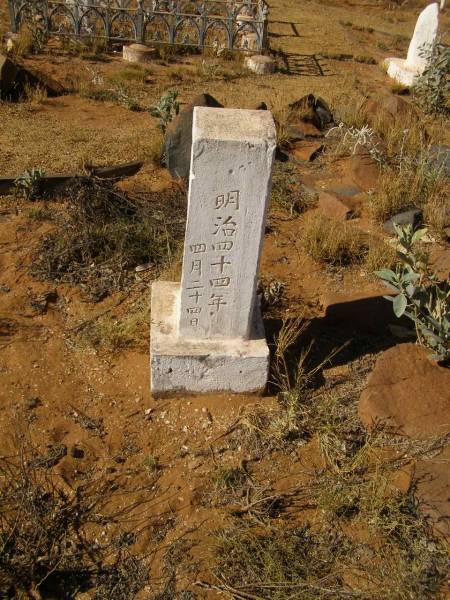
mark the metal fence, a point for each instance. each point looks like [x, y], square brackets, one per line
[203, 23]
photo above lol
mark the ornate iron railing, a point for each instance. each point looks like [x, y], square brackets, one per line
[217, 23]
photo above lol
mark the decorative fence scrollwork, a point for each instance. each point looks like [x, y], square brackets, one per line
[234, 25]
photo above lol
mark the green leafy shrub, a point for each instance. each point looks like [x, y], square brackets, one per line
[421, 296]
[167, 109]
[432, 89]
[28, 185]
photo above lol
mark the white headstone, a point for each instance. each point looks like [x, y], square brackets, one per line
[425, 34]
[407, 71]
[229, 188]
[207, 334]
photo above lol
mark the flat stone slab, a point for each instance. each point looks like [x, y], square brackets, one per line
[197, 366]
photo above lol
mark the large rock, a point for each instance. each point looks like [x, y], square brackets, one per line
[332, 206]
[411, 217]
[178, 138]
[364, 169]
[409, 392]
[8, 75]
[14, 76]
[310, 109]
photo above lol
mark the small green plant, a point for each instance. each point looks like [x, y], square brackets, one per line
[167, 109]
[421, 296]
[432, 89]
[151, 464]
[28, 185]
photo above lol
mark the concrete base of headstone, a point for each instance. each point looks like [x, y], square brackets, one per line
[138, 53]
[260, 64]
[197, 366]
[398, 69]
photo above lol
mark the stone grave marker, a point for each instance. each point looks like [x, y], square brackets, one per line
[425, 33]
[207, 333]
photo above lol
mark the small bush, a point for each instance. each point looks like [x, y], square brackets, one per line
[332, 242]
[167, 108]
[420, 295]
[432, 88]
[105, 234]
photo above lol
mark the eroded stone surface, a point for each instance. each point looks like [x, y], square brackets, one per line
[232, 157]
[179, 365]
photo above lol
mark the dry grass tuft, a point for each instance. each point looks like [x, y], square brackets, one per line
[380, 255]
[105, 234]
[398, 558]
[332, 242]
[49, 535]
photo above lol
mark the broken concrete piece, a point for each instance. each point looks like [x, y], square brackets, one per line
[178, 138]
[138, 53]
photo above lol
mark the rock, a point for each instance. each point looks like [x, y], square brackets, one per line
[302, 131]
[409, 392]
[364, 170]
[433, 490]
[178, 138]
[137, 53]
[331, 206]
[411, 217]
[390, 106]
[14, 76]
[36, 78]
[347, 190]
[310, 109]
[306, 151]
[8, 75]
[260, 64]
[259, 106]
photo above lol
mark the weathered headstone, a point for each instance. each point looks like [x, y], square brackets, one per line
[425, 33]
[207, 333]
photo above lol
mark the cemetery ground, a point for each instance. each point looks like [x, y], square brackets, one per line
[108, 493]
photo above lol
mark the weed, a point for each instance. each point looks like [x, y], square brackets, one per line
[167, 108]
[24, 44]
[411, 184]
[112, 334]
[227, 479]
[40, 214]
[132, 73]
[351, 489]
[332, 242]
[35, 95]
[364, 59]
[420, 295]
[155, 153]
[432, 88]
[49, 538]
[29, 184]
[151, 464]
[105, 234]
[271, 292]
[351, 139]
[380, 254]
